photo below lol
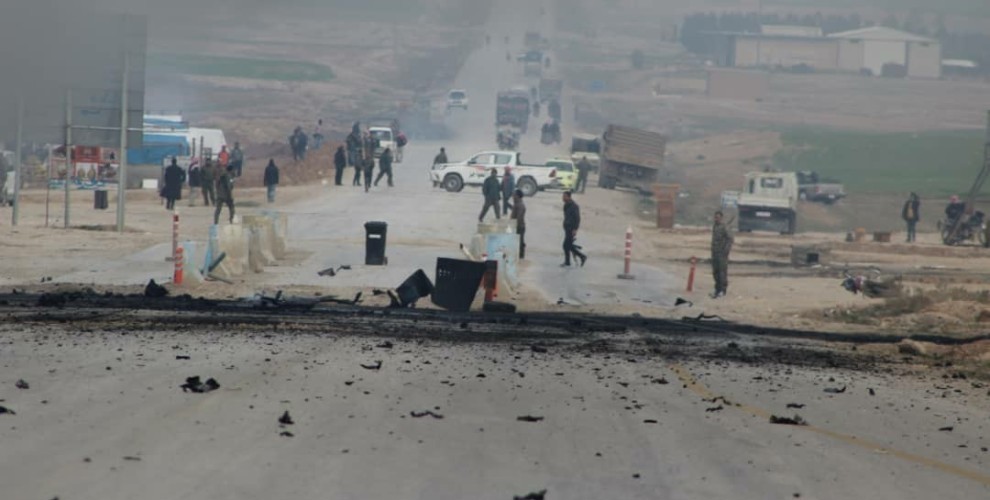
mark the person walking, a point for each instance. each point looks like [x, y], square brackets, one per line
[225, 194]
[911, 215]
[583, 168]
[385, 167]
[400, 145]
[572, 222]
[721, 246]
[175, 178]
[440, 158]
[318, 135]
[369, 171]
[339, 164]
[491, 190]
[195, 183]
[237, 159]
[519, 215]
[208, 179]
[271, 179]
[508, 188]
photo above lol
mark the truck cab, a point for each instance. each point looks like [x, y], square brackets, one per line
[385, 139]
[587, 146]
[768, 202]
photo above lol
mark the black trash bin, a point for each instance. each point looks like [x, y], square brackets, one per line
[414, 288]
[457, 283]
[100, 199]
[374, 243]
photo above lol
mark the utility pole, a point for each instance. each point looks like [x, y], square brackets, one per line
[16, 212]
[68, 154]
[122, 155]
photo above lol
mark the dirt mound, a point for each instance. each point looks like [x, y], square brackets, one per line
[317, 166]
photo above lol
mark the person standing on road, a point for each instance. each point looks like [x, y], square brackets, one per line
[223, 158]
[491, 189]
[195, 183]
[385, 167]
[369, 171]
[440, 158]
[911, 215]
[519, 215]
[237, 159]
[225, 194]
[353, 142]
[572, 222]
[207, 178]
[271, 179]
[318, 135]
[721, 246]
[583, 168]
[339, 164]
[400, 145]
[175, 178]
[508, 188]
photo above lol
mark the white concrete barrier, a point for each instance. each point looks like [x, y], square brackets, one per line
[280, 224]
[262, 240]
[231, 240]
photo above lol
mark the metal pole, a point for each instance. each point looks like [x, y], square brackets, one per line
[16, 212]
[68, 154]
[122, 159]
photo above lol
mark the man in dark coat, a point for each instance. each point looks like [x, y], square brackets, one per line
[440, 158]
[491, 189]
[271, 179]
[175, 178]
[385, 167]
[572, 222]
[508, 188]
[225, 194]
[339, 164]
[353, 142]
[519, 215]
[369, 171]
[195, 183]
[721, 246]
[208, 179]
[911, 215]
[583, 168]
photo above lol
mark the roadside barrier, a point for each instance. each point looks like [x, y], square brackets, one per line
[627, 275]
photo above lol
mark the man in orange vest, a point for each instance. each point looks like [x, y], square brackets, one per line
[223, 158]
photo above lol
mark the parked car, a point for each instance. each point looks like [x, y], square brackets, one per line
[457, 98]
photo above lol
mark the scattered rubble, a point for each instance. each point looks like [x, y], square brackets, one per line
[797, 420]
[835, 390]
[538, 495]
[193, 384]
[4, 409]
[947, 428]
[377, 366]
[285, 419]
[21, 384]
[154, 290]
[529, 418]
[427, 413]
[797, 406]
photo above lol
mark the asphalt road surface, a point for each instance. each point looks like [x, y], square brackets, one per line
[636, 414]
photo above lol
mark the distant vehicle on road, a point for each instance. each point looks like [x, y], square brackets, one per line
[631, 158]
[385, 139]
[811, 188]
[587, 146]
[457, 98]
[768, 202]
[512, 109]
[473, 171]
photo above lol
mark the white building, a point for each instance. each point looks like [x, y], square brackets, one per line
[872, 48]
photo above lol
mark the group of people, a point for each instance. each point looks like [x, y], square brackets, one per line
[360, 152]
[495, 190]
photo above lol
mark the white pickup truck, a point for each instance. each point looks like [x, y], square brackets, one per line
[473, 171]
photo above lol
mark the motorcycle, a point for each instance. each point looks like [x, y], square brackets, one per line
[973, 228]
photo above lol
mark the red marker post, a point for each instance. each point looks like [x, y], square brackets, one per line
[627, 275]
[178, 274]
[694, 265]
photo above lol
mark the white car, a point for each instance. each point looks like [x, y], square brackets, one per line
[473, 172]
[385, 140]
[457, 98]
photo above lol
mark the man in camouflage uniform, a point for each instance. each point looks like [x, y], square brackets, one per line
[721, 246]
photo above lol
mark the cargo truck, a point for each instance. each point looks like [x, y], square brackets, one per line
[631, 158]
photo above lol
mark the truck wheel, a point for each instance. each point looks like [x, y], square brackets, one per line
[528, 186]
[791, 225]
[453, 183]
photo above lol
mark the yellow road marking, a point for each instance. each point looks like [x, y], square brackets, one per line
[700, 389]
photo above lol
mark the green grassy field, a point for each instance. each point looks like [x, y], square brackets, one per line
[930, 163]
[236, 67]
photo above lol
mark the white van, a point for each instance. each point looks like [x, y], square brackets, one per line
[385, 140]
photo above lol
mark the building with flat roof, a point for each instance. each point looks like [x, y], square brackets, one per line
[873, 48]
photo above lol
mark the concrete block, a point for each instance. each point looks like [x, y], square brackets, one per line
[263, 229]
[231, 240]
[280, 222]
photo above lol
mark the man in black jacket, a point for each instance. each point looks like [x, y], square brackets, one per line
[339, 163]
[385, 167]
[175, 178]
[492, 190]
[271, 179]
[572, 222]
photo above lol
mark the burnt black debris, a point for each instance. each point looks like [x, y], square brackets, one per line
[872, 392]
[285, 419]
[529, 418]
[385, 345]
[947, 428]
[797, 420]
[154, 290]
[286, 434]
[536, 495]
[376, 366]
[797, 406]
[21, 384]
[132, 458]
[834, 390]
[714, 409]
[650, 421]
[538, 348]
[5, 410]
[661, 381]
[193, 384]
[180, 356]
[427, 413]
